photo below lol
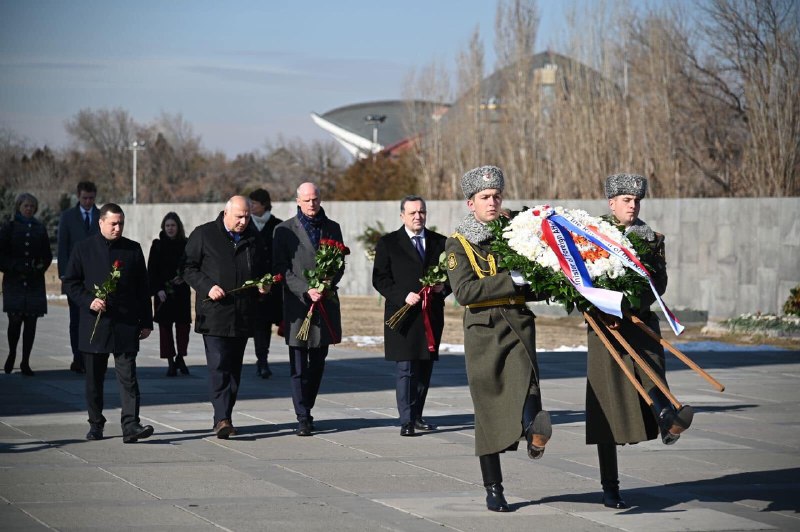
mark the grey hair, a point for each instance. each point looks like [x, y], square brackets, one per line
[23, 197]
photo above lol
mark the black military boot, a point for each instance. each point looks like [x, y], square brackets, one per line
[609, 476]
[671, 422]
[493, 482]
[172, 370]
[537, 426]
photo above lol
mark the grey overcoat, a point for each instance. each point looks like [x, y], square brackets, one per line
[614, 411]
[292, 253]
[500, 349]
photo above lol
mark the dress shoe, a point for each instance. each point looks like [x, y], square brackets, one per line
[95, 433]
[9, 367]
[77, 367]
[672, 423]
[181, 364]
[263, 371]
[407, 429]
[224, 429]
[495, 501]
[172, 371]
[137, 432]
[612, 499]
[26, 370]
[538, 433]
[421, 424]
[304, 427]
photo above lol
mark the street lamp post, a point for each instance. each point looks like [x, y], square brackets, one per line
[374, 120]
[135, 147]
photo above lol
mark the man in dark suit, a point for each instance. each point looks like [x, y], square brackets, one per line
[270, 306]
[295, 246]
[111, 324]
[221, 255]
[76, 223]
[401, 259]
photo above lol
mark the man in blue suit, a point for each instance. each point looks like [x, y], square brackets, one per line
[76, 224]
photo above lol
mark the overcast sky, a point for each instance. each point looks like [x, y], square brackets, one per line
[239, 72]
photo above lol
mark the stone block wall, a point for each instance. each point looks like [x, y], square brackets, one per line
[725, 256]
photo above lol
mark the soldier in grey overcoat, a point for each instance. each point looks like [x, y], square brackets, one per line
[294, 247]
[499, 337]
[615, 414]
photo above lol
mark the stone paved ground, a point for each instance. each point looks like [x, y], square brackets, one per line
[736, 469]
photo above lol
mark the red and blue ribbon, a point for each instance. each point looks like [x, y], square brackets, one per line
[629, 260]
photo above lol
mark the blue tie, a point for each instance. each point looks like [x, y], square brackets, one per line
[86, 221]
[418, 244]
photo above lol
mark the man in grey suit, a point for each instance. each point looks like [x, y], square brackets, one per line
[294, 248]
[76, 224]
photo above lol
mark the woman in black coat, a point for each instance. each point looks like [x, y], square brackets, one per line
[24, 257]
[171, 295]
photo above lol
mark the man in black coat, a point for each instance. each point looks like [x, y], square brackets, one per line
[221, 255]
[401, 259]
[270, 307]
[114, 323]
[76, 223]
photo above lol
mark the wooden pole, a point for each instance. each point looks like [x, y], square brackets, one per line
[647, 368]
[625, 369]
[682, 357]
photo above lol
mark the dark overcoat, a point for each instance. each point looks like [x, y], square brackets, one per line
[396, 272]
[615, 413]
[499, 347]
[164, 264]
[270, 306]
[24, 257]
[292, 253]
[71, 230]
[213, 258]
[128, 308]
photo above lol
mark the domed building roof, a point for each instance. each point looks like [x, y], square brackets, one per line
[372, 127]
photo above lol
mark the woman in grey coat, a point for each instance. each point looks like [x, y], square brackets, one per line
[24, 257]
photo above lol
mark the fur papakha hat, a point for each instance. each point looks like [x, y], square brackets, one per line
[482, 178]
[633, 184]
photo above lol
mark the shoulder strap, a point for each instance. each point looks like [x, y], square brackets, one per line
[472, 257]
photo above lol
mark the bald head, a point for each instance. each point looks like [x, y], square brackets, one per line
[308, 199]
[236, 214]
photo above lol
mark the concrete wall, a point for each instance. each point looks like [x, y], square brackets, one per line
[725, 256]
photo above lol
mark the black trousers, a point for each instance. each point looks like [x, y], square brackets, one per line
[125, 366]
[224, 357]
[412, 382]
[262, 337]
[306, 369]
[74, 331]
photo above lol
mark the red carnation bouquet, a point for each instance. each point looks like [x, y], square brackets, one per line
[264, 281]
[328, 261]
[108, 287]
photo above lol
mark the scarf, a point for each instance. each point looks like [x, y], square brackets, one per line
[313, 226]
[262, 220]
[473, 230]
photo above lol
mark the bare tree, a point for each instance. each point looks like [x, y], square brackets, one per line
[107, 132]
[515, 35]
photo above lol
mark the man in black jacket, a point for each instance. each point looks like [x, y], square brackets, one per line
[401, 259]
[113, 322]
[76, 223]
[221, 255]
